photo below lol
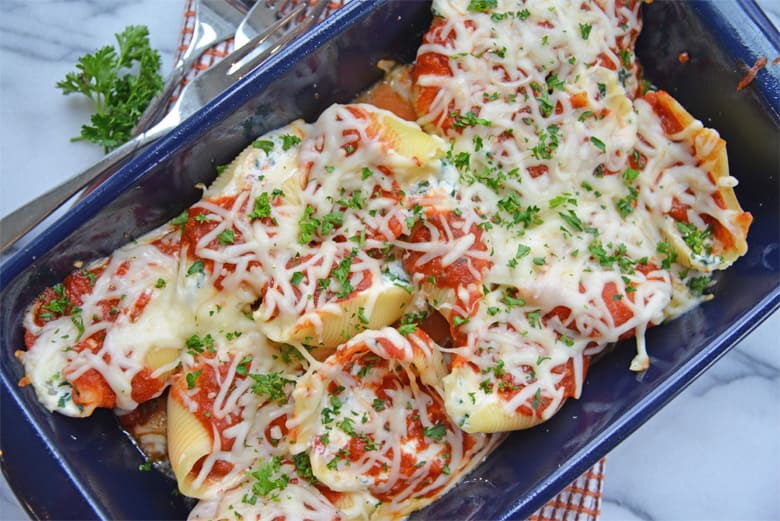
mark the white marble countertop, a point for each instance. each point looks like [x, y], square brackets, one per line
[713, 453]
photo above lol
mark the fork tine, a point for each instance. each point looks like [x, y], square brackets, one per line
[274, 37]
[215, 21]
[262, 18]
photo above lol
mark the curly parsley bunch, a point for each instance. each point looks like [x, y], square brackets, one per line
[120, 82]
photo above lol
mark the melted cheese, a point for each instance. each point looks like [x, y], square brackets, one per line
[548, 211]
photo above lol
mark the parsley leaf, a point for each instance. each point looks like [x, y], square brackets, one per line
[482, 5]
[226, 236]
[289, 141]
[196, 267]
[262, 207]
[469, 119]
[693, 237]
[120, 82]
[264, 145]
[436, 432]
[308, 225]
[263, 484]
[598, 143]
[272, 385]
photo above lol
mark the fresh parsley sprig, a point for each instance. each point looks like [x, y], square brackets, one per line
[120, 82]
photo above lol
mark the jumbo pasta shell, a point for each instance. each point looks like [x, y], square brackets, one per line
[712, 203]
[378, 306]
[418, 153]
[188, 442]
[475, 411]
[255, 162]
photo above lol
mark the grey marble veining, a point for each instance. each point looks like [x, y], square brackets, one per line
[713, 453]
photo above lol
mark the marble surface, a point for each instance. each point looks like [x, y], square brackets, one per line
[713, 453]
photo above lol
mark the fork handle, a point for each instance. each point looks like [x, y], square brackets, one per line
[14, 225]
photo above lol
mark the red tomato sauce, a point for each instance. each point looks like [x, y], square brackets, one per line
[458, 273]
[661, 104]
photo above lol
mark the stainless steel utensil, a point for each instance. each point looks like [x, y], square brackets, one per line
[260, 16]
[215, 21]
[202, 89]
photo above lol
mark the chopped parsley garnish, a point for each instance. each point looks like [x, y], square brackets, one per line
[545, 149]
[511, 301]
[535, 319]
[181, 219]
[625, 57]
[585, 31]
[307, 225]
[407, 329]
[469, 119]
[78, 322]
[554, 82]
[668, 251]
[289, 141]
[511, 205]
[694, 237]
[458, 320]
[303, 466]
[572, 220]
[436, 432]
[331, 221]
[243, 366]
[264, 483]
[262, 207]
[537, 400]
[192, 378]
[698, 285]
[626, 205]
[619, 256]
[58, 305]
[264, 145]
[630, 174]
[226, 237]
[196, 267]
[91, 277]
[341, 274]
[545, 105]
[522, 251]
[196, 345]
[598, 143]
[272, 386]
[482, 6]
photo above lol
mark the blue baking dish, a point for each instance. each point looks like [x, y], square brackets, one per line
[83, 469]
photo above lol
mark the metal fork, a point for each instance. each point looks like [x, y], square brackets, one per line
[202, 89]
[215, 21]
[259, 17]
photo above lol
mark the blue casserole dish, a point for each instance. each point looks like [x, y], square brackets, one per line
[82, 469]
